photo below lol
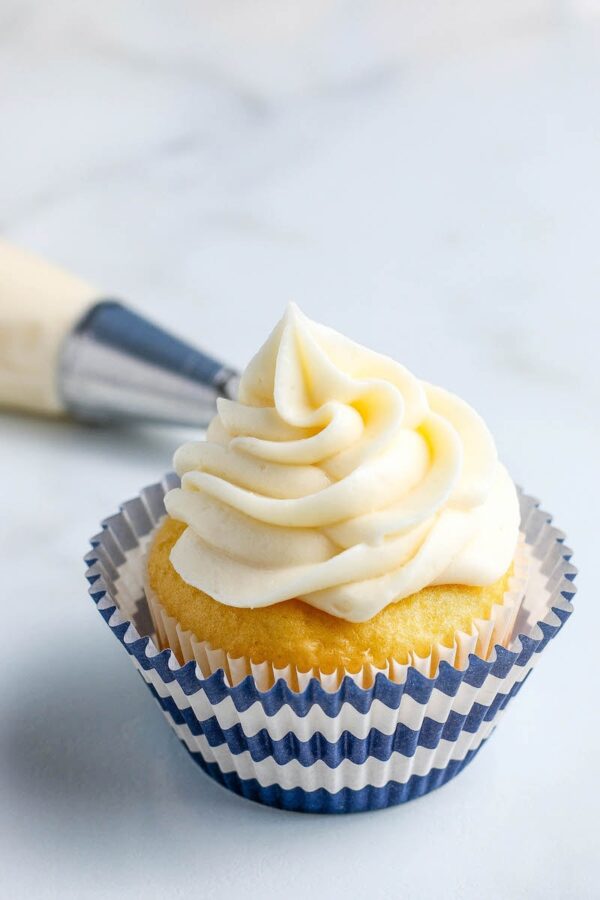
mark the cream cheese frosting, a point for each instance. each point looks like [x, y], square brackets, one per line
[339, 478]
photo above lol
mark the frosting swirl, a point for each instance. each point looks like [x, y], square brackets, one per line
[341, 479]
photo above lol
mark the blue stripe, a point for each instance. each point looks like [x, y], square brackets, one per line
[344, 801]
[376, 744]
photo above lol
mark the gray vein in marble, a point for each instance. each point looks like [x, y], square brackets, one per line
[106, 49]
[246, 224]
[102, 174]
[376, 78]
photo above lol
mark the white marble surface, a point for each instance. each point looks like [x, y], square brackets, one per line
[423, 176]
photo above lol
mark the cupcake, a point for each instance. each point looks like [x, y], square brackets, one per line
[342, 589]
[340, 513]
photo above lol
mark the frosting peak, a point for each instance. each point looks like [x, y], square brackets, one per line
[339, 478]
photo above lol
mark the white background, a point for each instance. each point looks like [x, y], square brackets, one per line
[422, 176]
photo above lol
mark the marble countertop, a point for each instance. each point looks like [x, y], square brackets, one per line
[423, 177]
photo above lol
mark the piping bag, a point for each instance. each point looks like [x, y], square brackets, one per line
[67, 350]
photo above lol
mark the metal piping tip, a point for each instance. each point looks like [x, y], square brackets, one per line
[117, 366]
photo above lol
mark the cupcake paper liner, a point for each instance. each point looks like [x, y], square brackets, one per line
[335, 743]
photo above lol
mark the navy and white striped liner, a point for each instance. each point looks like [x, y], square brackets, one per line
[321, 750]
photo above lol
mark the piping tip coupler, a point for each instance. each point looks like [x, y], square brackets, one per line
[63, 351]
[116, 365]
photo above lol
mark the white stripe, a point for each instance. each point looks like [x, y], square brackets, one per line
[410, 713]
[348, 774]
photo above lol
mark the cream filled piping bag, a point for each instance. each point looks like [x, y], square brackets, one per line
[66, 350]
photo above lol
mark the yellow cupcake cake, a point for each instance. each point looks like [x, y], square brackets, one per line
[340, 513]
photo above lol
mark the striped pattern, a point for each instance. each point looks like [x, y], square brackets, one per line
[321, 750]
[344, 801]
